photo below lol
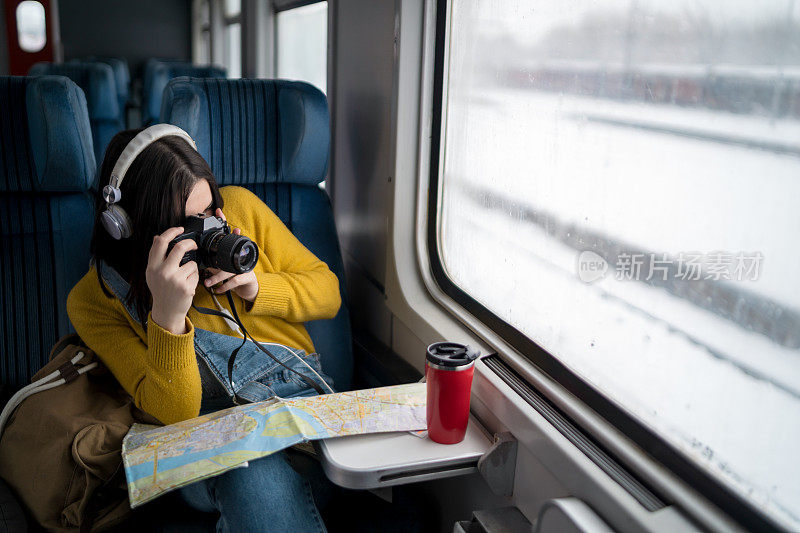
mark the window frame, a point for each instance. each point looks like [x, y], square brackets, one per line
[286, 5]
[657, 447]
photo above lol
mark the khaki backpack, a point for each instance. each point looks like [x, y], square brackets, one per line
[60, 448]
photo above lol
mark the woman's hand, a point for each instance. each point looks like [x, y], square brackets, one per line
[171, 284]
[245, 285]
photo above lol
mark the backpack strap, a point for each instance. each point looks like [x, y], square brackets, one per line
[54, 379]
[63, 342]
[69, 372]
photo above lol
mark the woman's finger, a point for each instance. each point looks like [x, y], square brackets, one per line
[220, 214]
[189, 269]
[193, 278]
[237, 231]
[173, 260]
[232, 283]
[160, 243]
[216, 278]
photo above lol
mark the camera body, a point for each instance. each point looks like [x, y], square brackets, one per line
[217, 246]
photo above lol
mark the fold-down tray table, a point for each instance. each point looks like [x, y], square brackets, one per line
[387, 459]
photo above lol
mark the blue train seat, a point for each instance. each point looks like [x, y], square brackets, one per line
[46, 216]
[122, 78]
[147, 75]
[97, 82]
[272, 137]
[157, 74]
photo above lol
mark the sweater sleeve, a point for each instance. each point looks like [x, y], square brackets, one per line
[293, 283]
[161, 375]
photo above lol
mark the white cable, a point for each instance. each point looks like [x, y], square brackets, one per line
[235, 327]
[228, 318]
[307, 365]
[315, 373]
[38, 386]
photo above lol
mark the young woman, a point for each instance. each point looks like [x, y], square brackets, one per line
[134, 309]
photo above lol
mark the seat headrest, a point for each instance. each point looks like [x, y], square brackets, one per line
[253, 131]
[177, 70]
[95, 79]
[161, 72]
[46, 137]
[122, 76]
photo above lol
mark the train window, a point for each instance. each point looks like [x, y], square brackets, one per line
[618, 188]
[301, 44]
[232, 38]
[233, 49]
[233, 8]
[31, 26]
[202, 13]
[205, 14]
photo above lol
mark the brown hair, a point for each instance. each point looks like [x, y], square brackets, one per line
[154, 194]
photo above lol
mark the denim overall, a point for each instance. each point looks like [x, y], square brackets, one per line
[256, 377]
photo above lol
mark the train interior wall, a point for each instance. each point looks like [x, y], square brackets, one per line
[363, 97]
[3, 43]
[134, 31]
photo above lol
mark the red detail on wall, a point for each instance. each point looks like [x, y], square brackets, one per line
[19, 61]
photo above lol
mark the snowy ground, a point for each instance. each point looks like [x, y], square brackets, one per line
[728, 397]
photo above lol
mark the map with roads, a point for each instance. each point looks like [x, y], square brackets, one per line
[160, 459]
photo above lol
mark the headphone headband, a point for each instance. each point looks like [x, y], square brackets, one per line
[137, 145]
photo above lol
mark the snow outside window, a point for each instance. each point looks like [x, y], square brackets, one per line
[621, 183]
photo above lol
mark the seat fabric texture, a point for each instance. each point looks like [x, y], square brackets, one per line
[156, 76]
[100, 88]
[272, 137]
[46, 216]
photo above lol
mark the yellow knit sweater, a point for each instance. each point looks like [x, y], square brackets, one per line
[159, 369]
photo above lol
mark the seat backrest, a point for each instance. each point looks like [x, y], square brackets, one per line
[273, 137]
[122, 79]
[147, 76]
[98, 85]
[46, 216]
[156, 76]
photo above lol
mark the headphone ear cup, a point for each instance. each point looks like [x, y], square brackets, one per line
[117, 222]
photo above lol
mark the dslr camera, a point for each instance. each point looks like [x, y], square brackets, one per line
[217, 246]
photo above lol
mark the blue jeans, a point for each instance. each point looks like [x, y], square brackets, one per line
[266, 496]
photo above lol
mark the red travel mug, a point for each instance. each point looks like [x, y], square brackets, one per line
[448, 373]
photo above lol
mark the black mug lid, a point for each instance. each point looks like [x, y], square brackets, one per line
[451, 354]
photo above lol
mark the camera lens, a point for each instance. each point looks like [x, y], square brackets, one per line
[234, 253]
[246, 254]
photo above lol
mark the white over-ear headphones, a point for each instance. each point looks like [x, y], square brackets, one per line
[116, 221]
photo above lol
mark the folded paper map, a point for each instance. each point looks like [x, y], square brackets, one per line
[160, 459]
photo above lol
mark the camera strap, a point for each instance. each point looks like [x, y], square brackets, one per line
[245, 336]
